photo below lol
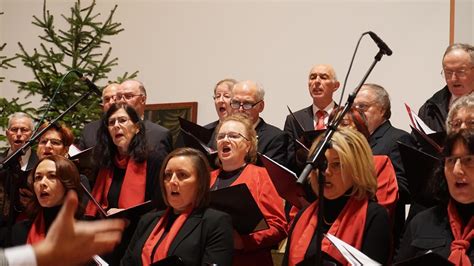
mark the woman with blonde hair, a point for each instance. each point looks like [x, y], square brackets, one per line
[350, 212]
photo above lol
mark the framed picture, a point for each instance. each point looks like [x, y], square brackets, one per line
[166, 114]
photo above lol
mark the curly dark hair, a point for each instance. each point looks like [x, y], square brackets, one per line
[105, 150]
[67, 173]
[439, 186]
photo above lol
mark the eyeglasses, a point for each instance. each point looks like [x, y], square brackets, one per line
[466, 161]
[363, 106]
[22, 130]
[54, 142]
[246, 106]
[107, 99]
[461, 73]
[456, 124]
[219, 96]
[127, 96]
[120, 120]
[230, 136]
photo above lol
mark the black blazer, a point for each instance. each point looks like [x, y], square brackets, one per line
[158, 138]
[305, 116]
[273, 142]
[206, 237]
[384, 142]
[429, 230]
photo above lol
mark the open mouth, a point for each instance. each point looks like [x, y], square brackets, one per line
[47, 153]
[44, 194]
[18, 142]
[461, 183]
[222, 109]
[174, 193]
[226, 149]
[119, 135]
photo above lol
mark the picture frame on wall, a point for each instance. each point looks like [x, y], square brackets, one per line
[166, 115]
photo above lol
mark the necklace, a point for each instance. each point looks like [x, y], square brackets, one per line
[326, 222]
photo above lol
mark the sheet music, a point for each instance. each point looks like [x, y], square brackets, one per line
[417, 122]
[350, 253]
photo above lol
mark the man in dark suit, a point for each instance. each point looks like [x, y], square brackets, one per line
[131, 92]
[248, 98]
[458, 71]
[373, 100]
[20, 129]
[322, 83]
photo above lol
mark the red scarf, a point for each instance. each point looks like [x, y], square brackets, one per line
[462, 237]
[348, 226]
[155, 236]
[38, 229]
[133, 186]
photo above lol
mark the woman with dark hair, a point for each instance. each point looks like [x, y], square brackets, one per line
[52, 177]
[188, 228]
[128, 173]
[448, 228]
[237, 151]
[350, 212]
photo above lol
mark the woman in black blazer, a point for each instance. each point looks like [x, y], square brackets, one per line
[187, 228]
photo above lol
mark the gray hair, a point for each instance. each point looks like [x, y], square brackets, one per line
[463, 102]
[19, 115]
[381, 97]
[461, 46]
[260, 91]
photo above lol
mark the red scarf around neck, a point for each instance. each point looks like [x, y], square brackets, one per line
[462, 237]
[157, 233]
[133, 186]
[38, 229]
[348, 226]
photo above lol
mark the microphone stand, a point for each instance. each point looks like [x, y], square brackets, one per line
[11, 162]
[317, 160]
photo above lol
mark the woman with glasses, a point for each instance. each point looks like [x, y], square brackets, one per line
[188, 228]
[128, 173]
[222, 96]
[350, 211]
[237, 150]
[51, 178]
[448, 228]
[461, 114]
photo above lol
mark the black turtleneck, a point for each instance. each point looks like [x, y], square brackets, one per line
[49, 214]
[226, 178]
[465, 211]
[377, 234]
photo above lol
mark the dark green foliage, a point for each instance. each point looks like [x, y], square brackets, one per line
[82, 45]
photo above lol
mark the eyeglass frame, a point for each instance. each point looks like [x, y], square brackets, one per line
[54, 142]
[245, 106]
[125, 96]
[230, 136]
[466, 161]
[461, 73]
[113, 121]
[469, 123]
[23, 130]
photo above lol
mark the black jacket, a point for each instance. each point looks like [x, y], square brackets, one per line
[435, 110]
[206, 237]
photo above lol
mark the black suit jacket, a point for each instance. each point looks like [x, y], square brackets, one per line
[435, 110]
[158, 138]
[383, 141]
[429, 230]
[305, 116]
[273, 142]
[206, 237]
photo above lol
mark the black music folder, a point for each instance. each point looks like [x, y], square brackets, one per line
[130, 213]
[419, 169]
[284, 181]
[430, 143]
[169, 261]
[82, 158]
[430, 258]
[239, 203]
[200, 132]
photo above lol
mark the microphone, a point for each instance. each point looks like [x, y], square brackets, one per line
[381, 44]
[89, 83]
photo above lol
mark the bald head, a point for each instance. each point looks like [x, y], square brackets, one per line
[248, 92]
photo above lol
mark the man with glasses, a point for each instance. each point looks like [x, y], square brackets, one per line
[374, 101]
[458, 71]
[133, 93]
[248, 98]
[20, 129]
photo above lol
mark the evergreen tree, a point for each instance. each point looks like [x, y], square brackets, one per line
[81, 46]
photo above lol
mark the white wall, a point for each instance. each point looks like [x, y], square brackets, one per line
[181, 48]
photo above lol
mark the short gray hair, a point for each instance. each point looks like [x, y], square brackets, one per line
[463, 102]
[460, 46]
[19, 115]
[381, 97]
